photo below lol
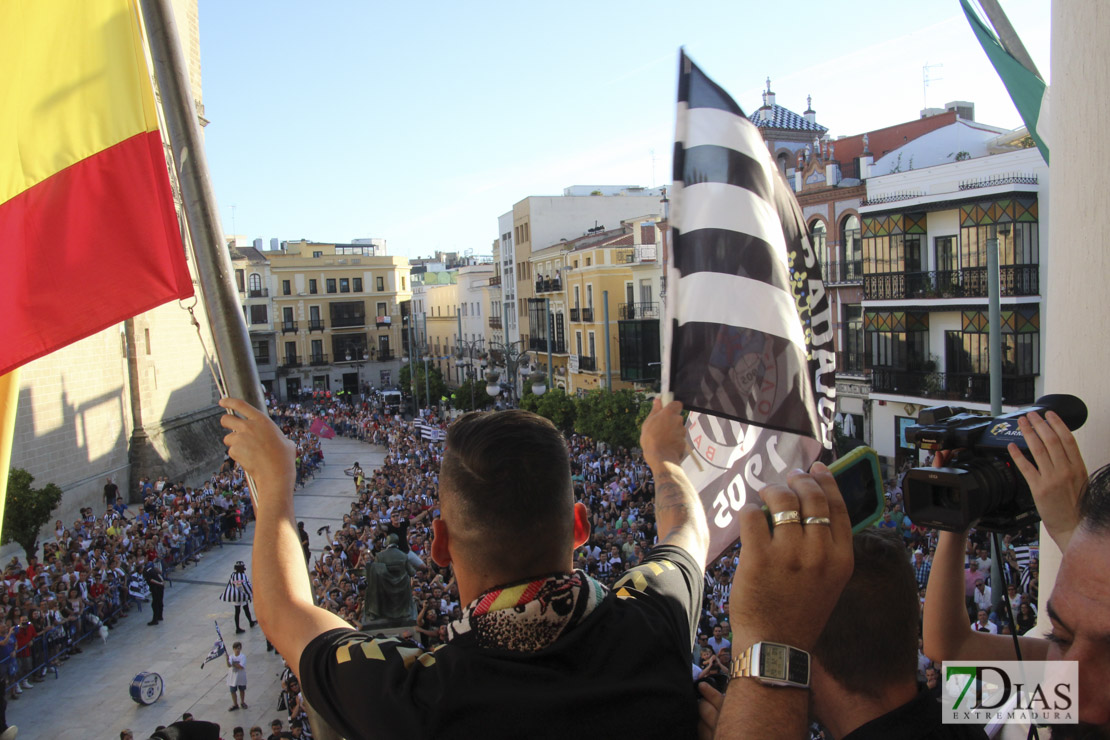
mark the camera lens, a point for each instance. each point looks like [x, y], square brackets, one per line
[996, 485]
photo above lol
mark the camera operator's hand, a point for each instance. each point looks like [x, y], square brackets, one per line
[1058, 476]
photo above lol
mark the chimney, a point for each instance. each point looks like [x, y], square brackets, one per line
[963, 108]
[810, 114]
[832, 174]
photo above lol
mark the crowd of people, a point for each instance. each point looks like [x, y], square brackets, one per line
[98, 569]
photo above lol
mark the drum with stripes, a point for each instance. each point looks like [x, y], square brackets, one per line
[146, 688]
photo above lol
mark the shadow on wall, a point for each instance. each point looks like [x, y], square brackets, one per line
[95, 440]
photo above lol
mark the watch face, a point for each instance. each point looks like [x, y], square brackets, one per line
[772, 662]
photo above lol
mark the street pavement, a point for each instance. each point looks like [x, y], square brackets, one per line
[91, 697]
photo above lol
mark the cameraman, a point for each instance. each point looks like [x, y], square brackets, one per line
[1076, 514]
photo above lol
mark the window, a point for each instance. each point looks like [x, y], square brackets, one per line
[317, 254]
[898, 350]
[851, 249]
[239, 281]
[944, 254]
[260, 348]
[852, 357]
[589, 261]
[348, 313]
[382, 309]
[317, 351]
[312, 289]
[593, 349]
[403, 283]
[589, 296]
[344, 285]
[290, 353]
[330, 285]
[356, 285]
[379, 283]
[817, 237]
[258, 314]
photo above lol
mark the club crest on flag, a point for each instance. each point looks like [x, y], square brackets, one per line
[748, 331]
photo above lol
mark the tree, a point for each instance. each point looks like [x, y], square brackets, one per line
[435, 385]
[613, 418]
[27, 510]
[555, 405]
[461, 395]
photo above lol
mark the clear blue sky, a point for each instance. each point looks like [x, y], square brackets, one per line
[421, 123]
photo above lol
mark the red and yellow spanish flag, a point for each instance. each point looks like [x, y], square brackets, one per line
[88, 232]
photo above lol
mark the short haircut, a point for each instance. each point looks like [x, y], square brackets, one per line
[505, 483]
[870, 639]
[1094, 501]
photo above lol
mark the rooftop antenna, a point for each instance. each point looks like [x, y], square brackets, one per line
[926, 78]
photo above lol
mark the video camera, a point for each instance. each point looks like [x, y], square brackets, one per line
[981, 486]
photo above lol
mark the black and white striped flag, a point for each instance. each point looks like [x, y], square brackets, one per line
[749, 334]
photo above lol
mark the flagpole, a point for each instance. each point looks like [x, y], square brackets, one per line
[213, 263]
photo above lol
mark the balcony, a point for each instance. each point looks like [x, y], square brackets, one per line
[837, 273]
[495, 280]
[971, 282]
[575, 313]
[1016, 389]
[258, 293]
[289, 327]
[291, 361]
[261, 360]
[588, 314]
[315, 325]
[386, 356]
[628, 311]
[318, 359]
[624, 256]
[587, 364]
[348, 322]
[540, 345]
[549, 286]
[850, 363]
[495, 322]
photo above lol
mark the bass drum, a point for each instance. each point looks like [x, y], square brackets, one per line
[146, 688]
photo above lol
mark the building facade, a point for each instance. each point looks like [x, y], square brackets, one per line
[338, 312]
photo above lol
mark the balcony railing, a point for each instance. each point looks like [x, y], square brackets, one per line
[258, 293]
[288, 327]
[348, 322]
[549, 286]
[638, 311]
[624, 256]
[587, 363]
[842, 272]
[588, 314]
[495, 280]
[1016, 389]
[970, 282]
[495, 322]
[540, 345]
[575, 314]
[260, 360]
[850, 363]
[386, 356]
[315, 325]
[291, 361]
[318, 359]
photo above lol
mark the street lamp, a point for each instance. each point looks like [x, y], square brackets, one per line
[468, 347]
[512, 356]
[539, 382]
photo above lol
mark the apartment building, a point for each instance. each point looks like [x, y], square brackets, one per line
[338, 312]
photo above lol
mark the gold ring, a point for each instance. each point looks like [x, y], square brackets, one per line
[817, 520]
[787, 517]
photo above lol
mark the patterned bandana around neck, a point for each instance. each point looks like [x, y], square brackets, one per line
[530, 616]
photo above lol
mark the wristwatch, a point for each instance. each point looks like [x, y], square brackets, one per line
[773, 664]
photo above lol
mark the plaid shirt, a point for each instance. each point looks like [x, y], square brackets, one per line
[921, 572]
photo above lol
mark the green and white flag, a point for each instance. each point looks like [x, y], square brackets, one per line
[1027, 90]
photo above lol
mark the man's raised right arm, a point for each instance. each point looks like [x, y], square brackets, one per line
[282, 590]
